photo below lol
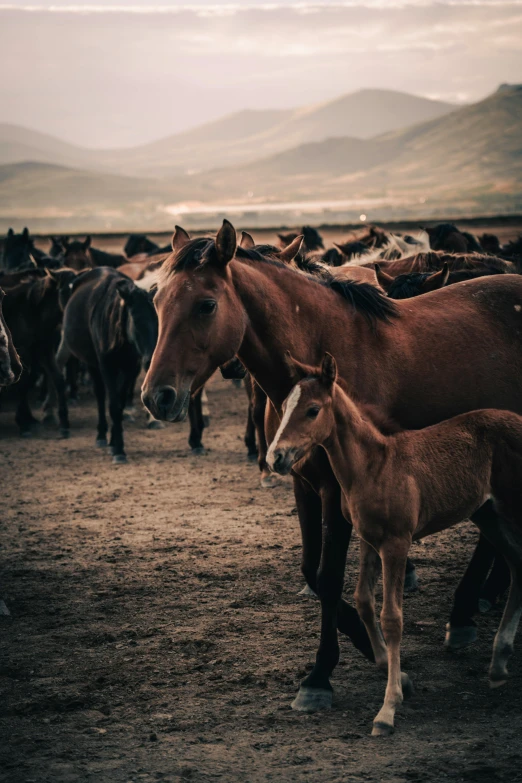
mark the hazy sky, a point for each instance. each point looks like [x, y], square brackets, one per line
[121, 73]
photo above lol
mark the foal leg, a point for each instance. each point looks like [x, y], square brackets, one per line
[259, 400]
[205, 410]
[99, 391]
[369, 568]
[196, 424]
[393, 555]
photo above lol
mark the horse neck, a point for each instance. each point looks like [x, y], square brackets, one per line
[354, 444]
[282, 307]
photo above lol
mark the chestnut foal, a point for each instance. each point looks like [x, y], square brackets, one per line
[402, 487]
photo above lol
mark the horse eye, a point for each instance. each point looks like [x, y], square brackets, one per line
[313, 412]
[207, 307]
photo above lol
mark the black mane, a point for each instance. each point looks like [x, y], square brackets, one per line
[364, 298]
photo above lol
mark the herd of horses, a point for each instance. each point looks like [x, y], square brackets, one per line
[368, 366]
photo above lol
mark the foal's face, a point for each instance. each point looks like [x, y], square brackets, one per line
[307, 422]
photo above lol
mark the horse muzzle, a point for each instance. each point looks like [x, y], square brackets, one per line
[282, 460]
[166, 404]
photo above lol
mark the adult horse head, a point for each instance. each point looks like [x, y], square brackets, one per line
[17, 251]
[201, 321]
[76, 254]
[142, 324]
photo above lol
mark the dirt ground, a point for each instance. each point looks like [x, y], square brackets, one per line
[155, 631]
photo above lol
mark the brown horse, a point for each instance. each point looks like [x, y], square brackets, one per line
[10, 364]
[399, 488]
[414, 360]
[81, 255]
[476, 264]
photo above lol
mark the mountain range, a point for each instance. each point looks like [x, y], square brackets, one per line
[415, 155]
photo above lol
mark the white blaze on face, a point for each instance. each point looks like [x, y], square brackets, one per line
[291, 404]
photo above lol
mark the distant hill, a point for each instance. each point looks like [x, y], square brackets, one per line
[237, 138]
[475, 148]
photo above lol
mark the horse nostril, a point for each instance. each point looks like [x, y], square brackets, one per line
[278, 459]
[165, 397]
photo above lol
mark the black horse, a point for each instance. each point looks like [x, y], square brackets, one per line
[111, 326]
[18, 251]
[137, 244]
[33, 314]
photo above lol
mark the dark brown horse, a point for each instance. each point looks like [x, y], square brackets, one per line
[476, 264]
[80, 255]
[33, 313]
[447, 237]
[413, 360]
[10, 364]
[398, 488]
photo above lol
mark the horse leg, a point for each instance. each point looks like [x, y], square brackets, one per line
[196, 424]
[250, 433]
[205, 410]
[72, 369]
[506, 537]
[393, 556]
[311, 509]
[99, 391]
[496, 585]
[117, 392]
[259, 401]
[57, 382]
[23, 416]
[315, 691]
[462, 629]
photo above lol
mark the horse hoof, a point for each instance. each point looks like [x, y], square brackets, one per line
[407, 686]
[485, 606]
[206, 421]
[307, 592]
[101, 443]
[459, 637]
[26, 434]
[155, 424]
[198, 451]
[119, 459]
[65, 434]
[411, 582]
[312, 700]
[381, 729]
[269, 481]
[252, 457]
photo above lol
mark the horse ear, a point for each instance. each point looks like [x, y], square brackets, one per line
[87, 243]
[179, 238]
[10, 233]
[226, 243]
[296, 370]
[437, 280]
[247, 241]
[383, 278]
[25, 233]
[329, 370]
[288, 254]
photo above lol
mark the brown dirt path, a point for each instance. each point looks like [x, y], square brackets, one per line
[156, 632]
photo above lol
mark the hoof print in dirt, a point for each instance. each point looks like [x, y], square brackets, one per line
[312, 700]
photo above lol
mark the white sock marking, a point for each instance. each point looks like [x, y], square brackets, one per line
[291, 404]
